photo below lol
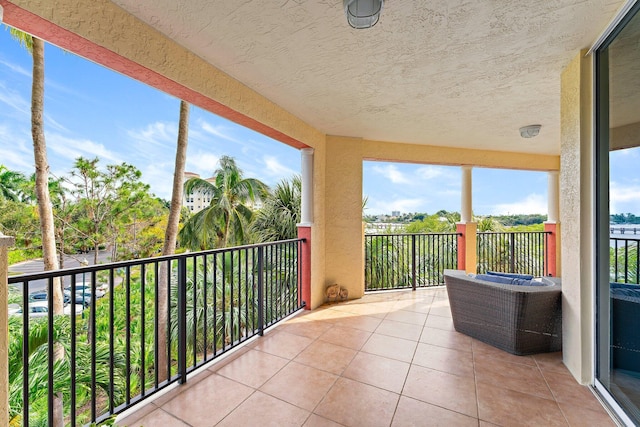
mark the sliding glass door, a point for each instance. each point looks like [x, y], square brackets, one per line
[618, 215]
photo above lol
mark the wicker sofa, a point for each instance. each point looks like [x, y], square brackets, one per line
[519, 319]
[625, 326]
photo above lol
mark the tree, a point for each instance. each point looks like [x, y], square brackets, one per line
[21, 220]
[170, 237]
[56, 190]
[225, 221]
[280, 213]
[105, 199]
[47, 226]
[11, 184]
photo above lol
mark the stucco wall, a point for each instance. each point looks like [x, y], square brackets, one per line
[414, 153]
[344, 257]
[576, 206]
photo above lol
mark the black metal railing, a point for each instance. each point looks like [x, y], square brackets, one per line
[624, 263]
[160, 319]
[523, 252]
[400, 261]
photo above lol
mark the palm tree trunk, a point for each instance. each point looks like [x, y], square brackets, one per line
[44, 203]
[170, 238]
[227, 225]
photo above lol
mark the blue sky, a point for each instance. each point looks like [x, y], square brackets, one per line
[92, 111]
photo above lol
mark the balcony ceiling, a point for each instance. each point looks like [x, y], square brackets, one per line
[441, 72]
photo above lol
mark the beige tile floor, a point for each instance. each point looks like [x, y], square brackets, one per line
[388, 359]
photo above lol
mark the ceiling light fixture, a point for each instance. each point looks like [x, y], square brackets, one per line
[530, 131]
[362, 14]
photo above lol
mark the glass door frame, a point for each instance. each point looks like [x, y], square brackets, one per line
[602, 306]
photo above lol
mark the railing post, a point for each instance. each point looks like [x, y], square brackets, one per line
[413, 262]
[552, 231]
[304, 233]
[5, 243]
[182, 319]
[512, 252]
[261, 290]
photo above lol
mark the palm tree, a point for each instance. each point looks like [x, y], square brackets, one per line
[225, 221]
[280, 214]
[47, 226]
[38, 372]
[11, 184]
[170, 237]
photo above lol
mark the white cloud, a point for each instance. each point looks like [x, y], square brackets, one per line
[220, 131]
[202, 163]
[50, 122]
[15, 160]
[15, 101]
[160, 177]
[531, 204]
[72, 148]
[624, 198]
[16, 152]
[431, 172]
[158, 133]
[277, 169]
[15, 68]
[392, 173]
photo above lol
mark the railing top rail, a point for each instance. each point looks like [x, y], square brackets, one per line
[514, 232]
[413, 234]
[133, 262]
[626, 237]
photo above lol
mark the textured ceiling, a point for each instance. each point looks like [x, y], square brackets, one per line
[440, 72]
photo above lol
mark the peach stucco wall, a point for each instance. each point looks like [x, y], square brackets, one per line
[430, 154]
[576, 207]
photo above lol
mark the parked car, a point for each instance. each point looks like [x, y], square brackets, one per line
[36, 309]
[87, 290]
[14, 309]
[43, 296]
[69, 309]
[78, 298]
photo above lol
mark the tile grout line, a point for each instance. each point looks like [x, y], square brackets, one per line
[404, 383]
[555, 399]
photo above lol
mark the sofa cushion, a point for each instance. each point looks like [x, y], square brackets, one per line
[505, 280]
[540, 281]
[496, 279]
[511, 275]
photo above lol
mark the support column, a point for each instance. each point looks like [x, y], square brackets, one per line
[304, 228]
[552, 225]
[467, 240]
[5, 243]
[466, 200]
[306, 206]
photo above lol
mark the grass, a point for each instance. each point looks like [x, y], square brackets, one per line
[19, 255]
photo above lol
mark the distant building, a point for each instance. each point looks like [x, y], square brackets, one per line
[395, 213]
[196, 200]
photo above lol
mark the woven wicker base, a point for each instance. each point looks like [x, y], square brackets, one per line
[518, 319]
